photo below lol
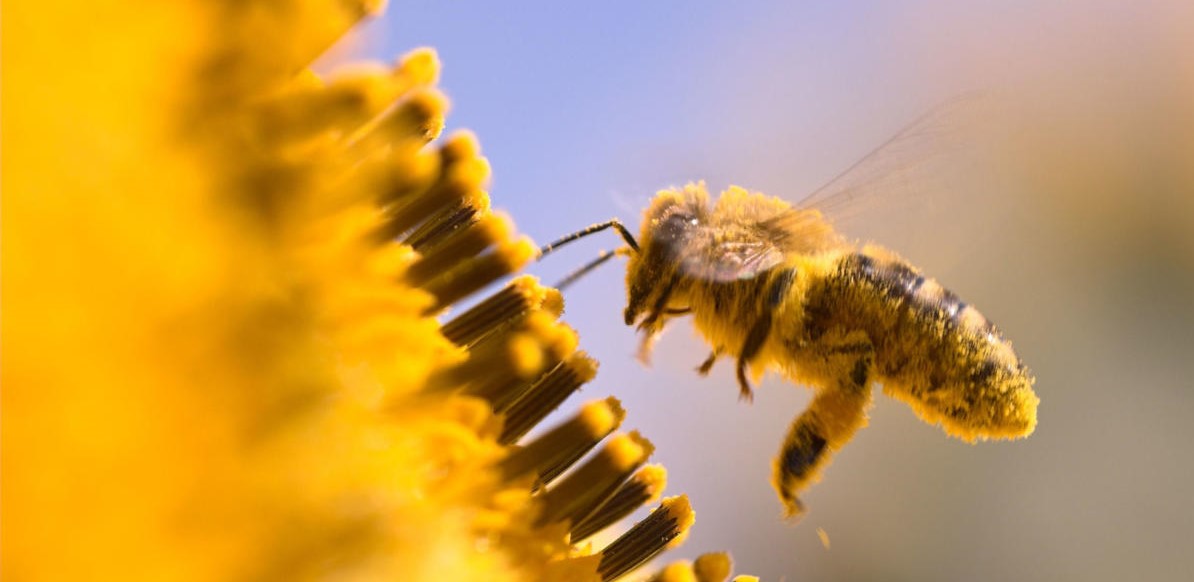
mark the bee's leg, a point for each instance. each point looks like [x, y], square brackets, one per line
[647, 343]
[651, 334]
[659, 308]
[707, 365]
[652, 325]
[829, 422]
[757, 336]
[754, 343]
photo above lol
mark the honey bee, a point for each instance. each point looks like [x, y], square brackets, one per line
[771, 286]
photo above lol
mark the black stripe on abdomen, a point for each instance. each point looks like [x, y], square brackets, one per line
[798, 459]
[902, 282]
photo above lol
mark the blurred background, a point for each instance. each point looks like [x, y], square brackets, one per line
[1076, 237]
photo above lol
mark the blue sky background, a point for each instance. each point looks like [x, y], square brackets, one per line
[586, 109]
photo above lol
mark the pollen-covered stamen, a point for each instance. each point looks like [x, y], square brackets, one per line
[521, 354]
[644, 487]
[455, 184]
[566, 460]
[595, 481]
[402, 170]
[447, 221]
[460, 245]
[500, 310]
[463, 173]
[665, 527]
[713, 567]
[582, 432]
[309, 107]
[417, 68]
[554, 341]
[502, 397]
[675, 572]
[559, 341]
[420, 116]
[246, 37]
[546, 395]
[568, 457]
[462, 146]
[470, 276]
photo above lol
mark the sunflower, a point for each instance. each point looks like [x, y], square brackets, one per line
[234, 340]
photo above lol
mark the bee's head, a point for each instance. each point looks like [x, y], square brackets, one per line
[669, 224]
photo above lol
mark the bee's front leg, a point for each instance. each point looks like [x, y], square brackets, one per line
[829, 422]
[652, 325]
[647, 343]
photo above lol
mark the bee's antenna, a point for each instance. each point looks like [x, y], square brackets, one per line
[601, 259]
[615, 223]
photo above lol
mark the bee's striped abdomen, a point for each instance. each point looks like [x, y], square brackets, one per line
[932, 349]
[902, 282]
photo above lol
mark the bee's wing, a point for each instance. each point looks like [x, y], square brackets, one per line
[748, 235]
[731, 260]
[912, 164]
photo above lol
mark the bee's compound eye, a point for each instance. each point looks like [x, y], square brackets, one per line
[679, 220]
[676, 226]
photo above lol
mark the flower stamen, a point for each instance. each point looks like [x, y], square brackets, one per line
[459, 245]
[447, 221]
[567, 442]
[644, 487]
[596, 480]
[501, 310]
[665, 527]
[478, 272]
[546, 395]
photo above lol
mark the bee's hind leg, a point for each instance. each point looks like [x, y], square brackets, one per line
[829, 422]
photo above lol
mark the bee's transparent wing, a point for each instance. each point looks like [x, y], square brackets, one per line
[730, 261]
[933, 154]
[732, 248]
